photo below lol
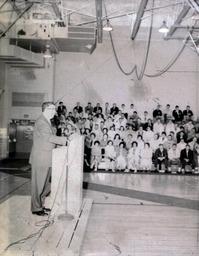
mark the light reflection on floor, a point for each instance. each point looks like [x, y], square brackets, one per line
[121, 225]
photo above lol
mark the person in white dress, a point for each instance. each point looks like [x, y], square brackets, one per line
[140, 142]
[146, 157]
[148, 135]
[121, 157]
[133, 157]
[110, 155]
[158, 127]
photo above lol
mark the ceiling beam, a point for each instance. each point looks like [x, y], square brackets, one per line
[180, 38]
[3, 4]
[21, 14]
[179, 19]
[194, 5]
[138, 20]
[56, 11]
[15, 8]
[98, 4]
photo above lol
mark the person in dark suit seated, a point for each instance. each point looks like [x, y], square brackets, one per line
[61, 110]
[187, 114]
[89, 108]
[177, 114]
[148, 124]
[78, 108]
[186, 158]
[161, 157]
[114, 110]
[181, 135]
[157, 113]
[97, 109]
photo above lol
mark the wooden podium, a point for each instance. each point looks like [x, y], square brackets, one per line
[67, 178]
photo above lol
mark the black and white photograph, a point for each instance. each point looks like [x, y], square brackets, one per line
[99, 127]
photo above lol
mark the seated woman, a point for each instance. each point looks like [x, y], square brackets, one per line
[140, 142]
[128, 141]
[146, 157]
[111, 133]
[110, 155]
[122, 132]
[121, 160]
[104, 143]
[161, 157]
[95, 155]
[116, 140]
[133, 157]
[108, 123]
[193, 143]
[148, 135]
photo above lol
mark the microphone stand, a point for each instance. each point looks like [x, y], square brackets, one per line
[66, 215]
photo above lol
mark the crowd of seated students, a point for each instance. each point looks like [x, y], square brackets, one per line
[125, 139]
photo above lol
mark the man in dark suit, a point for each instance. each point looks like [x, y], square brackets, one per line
[187, 114]
[181, 135]
[161, 157]
[97, 109]
[89, 108]
[114, 110]
[187, 158]
[78, 108]
[157, 113]
[61, 110]
[177, 114]
[44, 140]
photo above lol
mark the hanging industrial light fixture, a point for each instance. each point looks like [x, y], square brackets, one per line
[108, 26]
[163, 28]
[47, 54]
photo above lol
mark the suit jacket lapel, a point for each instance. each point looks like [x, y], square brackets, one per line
[51, 127]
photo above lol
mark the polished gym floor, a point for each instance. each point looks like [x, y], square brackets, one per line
[132, 214]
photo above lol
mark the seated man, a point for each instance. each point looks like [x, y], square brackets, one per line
[181, 135]
[97, 109]
[89, 108]
[167, 113]
[186, 158]
[161, 157]
[157, 113]
[114, 110]
[187, 114]
[145, 117]
[78, 108]
[61, 110]
[174, 157]
[177, 114]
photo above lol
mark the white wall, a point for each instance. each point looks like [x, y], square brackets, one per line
[96, 77]
[29, 81]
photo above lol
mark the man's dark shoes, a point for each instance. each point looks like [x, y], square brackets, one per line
[46, 209]
[40, 213]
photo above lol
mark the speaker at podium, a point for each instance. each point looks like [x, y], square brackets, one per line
[67, 179]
